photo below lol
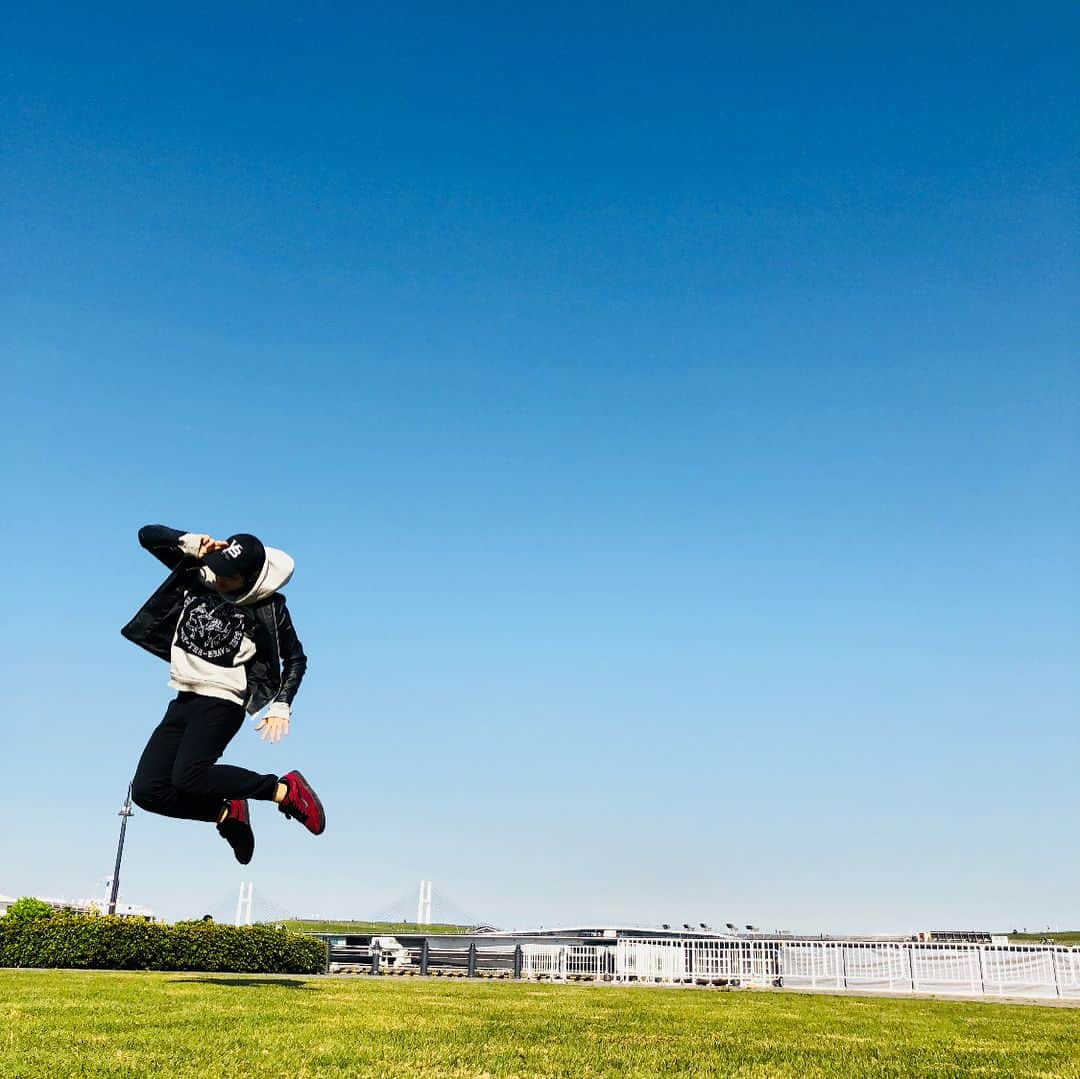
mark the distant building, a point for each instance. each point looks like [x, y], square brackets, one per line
[958, 936]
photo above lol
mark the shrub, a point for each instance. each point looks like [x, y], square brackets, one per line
[29, 909]
[110, 943]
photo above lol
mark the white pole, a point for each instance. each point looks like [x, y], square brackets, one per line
[243, 903]
[423, 904]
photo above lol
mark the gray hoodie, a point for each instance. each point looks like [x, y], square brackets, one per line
[211, 646]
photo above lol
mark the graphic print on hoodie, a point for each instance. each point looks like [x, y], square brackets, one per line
[211, 648]
[211, 629]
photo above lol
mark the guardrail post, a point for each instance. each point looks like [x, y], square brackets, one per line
[472, 960]
[518, 957]
[376, 953]
[843, 962]
[425, 949]
[1053, 967]
[982, 973]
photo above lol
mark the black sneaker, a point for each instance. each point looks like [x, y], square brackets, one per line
[236, 830]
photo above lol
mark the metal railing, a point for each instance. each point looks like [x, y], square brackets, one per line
[1027, 970]
[1018, 970]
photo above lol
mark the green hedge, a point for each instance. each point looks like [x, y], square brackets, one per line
[106, 943]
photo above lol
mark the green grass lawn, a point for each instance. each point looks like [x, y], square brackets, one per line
[363, 928]
[1070, 938]
[58, 1023]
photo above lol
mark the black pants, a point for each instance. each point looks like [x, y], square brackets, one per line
[178, 773]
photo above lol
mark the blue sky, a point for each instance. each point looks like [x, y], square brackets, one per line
[673, 416]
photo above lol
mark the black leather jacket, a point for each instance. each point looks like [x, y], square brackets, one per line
[279, 664]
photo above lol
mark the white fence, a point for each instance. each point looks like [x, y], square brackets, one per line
[1023, 970]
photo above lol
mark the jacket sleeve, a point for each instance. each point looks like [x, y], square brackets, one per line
[169, 545]
[293, 662]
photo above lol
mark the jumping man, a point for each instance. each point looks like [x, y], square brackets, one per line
[222, 625]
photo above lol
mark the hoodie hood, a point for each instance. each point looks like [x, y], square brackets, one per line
[274, 575]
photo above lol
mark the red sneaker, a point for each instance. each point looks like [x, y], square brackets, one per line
[302, 803]
[236, 830]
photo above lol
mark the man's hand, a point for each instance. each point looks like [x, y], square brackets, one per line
[208, 546]
[273, 728]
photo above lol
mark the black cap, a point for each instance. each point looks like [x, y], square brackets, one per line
[243, 555]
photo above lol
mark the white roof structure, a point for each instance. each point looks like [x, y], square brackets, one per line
[83, 906]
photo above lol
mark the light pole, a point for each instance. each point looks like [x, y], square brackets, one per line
[125, 812]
